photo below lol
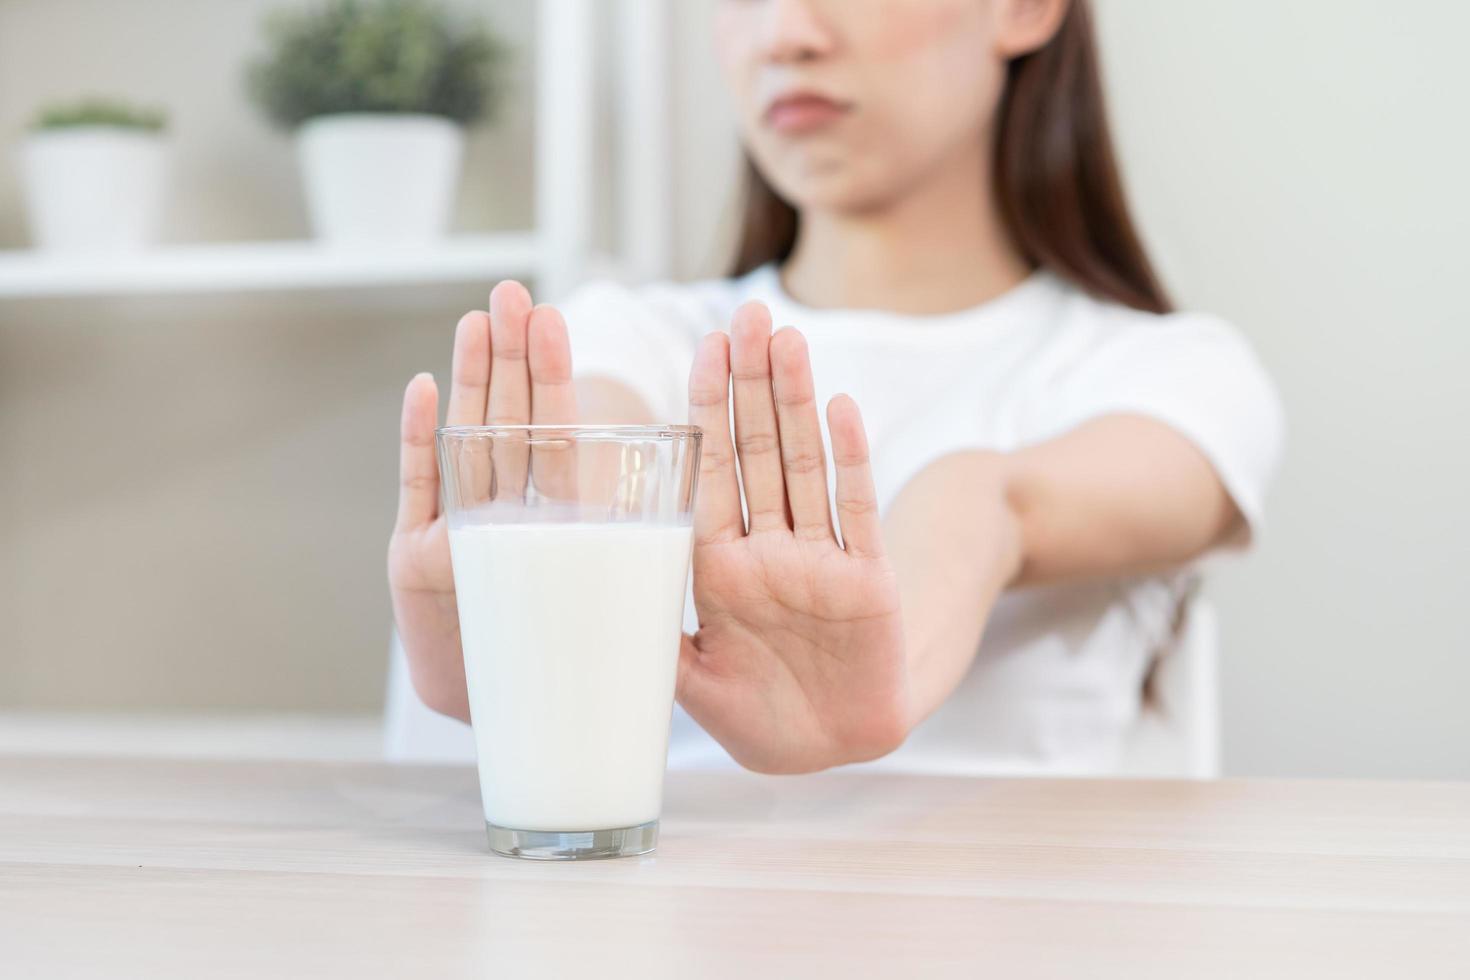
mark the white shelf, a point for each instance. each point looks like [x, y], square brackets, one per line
[262, 266]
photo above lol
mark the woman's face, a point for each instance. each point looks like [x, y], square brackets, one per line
[845, 104]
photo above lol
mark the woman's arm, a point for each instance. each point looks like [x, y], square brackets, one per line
[1117, 495]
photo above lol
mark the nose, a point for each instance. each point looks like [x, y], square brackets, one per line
[795, 31]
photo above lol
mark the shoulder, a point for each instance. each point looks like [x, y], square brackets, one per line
[1193, 371]
[1099, 345]
[1089, 328]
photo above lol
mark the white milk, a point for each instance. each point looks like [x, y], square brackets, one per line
[571, 643]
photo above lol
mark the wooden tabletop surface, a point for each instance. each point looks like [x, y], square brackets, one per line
[161, 868]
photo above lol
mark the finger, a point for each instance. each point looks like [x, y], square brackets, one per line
[553, 396]
[803, 457]
[510, 385]
[469, 376]
[757, 442]
[717, 514]
[418, 473]
[553, 400]
[857, 501]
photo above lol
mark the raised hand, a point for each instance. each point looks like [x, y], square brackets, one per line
[512, 365]
[799, 661]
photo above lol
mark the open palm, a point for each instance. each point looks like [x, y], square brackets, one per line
[799, 660]
[512, 365]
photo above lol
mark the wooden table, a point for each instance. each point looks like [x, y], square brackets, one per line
[223, 869]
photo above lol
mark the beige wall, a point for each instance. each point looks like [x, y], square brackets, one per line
[1300, 169]
[196, 498]
[1297, 168]
[706, 198]
[196, 491]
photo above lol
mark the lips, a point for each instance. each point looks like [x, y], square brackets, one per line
[804, 112]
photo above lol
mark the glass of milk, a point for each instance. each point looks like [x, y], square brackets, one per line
[571, 550]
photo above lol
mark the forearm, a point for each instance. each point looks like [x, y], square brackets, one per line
[1117, 496]
[1121, 495]
[956, 545]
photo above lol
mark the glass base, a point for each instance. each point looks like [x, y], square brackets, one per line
[573, 845]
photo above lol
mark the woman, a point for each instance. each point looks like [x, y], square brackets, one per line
[933, 203]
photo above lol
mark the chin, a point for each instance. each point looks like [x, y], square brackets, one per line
[835, 172]
[836, 189]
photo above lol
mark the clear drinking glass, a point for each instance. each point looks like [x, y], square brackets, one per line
[571, 553]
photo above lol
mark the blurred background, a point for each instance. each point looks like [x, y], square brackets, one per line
[197, 428]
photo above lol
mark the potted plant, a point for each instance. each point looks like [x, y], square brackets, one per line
[93, 173]
[378, 93]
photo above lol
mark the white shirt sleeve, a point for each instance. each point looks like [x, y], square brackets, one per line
[1198, 375]
[642, 338]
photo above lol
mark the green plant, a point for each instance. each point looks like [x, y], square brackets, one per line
[376, 56]
[100, 112]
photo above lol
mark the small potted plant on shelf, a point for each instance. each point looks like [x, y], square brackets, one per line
[93, 173]
[377, 93]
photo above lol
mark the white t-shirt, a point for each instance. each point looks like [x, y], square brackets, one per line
[1058, 678]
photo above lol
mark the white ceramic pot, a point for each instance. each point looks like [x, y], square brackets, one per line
[383, 178]
[94, 188]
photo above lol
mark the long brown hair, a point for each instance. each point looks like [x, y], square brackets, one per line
[1056, 178]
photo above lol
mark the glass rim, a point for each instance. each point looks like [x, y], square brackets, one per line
[625, 432]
